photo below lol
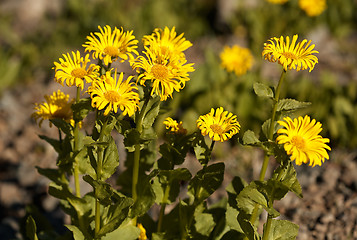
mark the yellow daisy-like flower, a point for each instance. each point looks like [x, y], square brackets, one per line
[56, 106]
[219, 125]
[166, 76]
[313, 7]
[112, 93]
[289, 55]
[302, 141]
[73, 70]
[236, 59]
[108, 45]
[277, 1]
[142, 235]
[174, 126]
[167, 43]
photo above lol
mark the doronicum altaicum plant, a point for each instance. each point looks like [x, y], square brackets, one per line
[130, 105]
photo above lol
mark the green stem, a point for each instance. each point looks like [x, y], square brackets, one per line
[270, 137]
[76, 149]
[163, 206]
[99, 175]
[139, 122]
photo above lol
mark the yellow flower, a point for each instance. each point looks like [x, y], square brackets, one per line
[56, 106]
[167, 43]
[313, 7]
[299, 57]
[219, 126]
[142, 235]
[166, 75]
[112, 93]
[302, 141]
[74, 70]
[174, 126]
[277, 1]
[108, 45]
[236, 59]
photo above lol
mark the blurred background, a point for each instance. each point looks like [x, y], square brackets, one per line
[35, 33]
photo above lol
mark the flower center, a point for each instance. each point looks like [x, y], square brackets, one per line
[79, 73]
[160, 71]
[298, 142]
[217, 129]
[111, 51]
[289, 55]
[112, 96]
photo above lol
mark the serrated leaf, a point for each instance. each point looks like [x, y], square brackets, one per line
[288, 104]
[249, 138]
[263, 90]
[282, 230]
[31, 228]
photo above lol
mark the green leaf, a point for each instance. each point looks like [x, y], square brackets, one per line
[249, 138]
[263, 90]
[152, 110]
[201, 149]
[204, 223]
[288, 104]
[53, 174]
[103, 190]
[111, 160]
[62, 125]
[249, 230]
[282, 230]
[31, 228]
[53, 142]
[77, 234]
[231, 219]
[171, 178]
[81, 109]
[288, 178]
[255, 193]
[114, 215]
[146, 195]
[206, 181]
[127, 232]
[131, 138]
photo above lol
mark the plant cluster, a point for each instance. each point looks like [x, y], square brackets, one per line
[130, 105]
